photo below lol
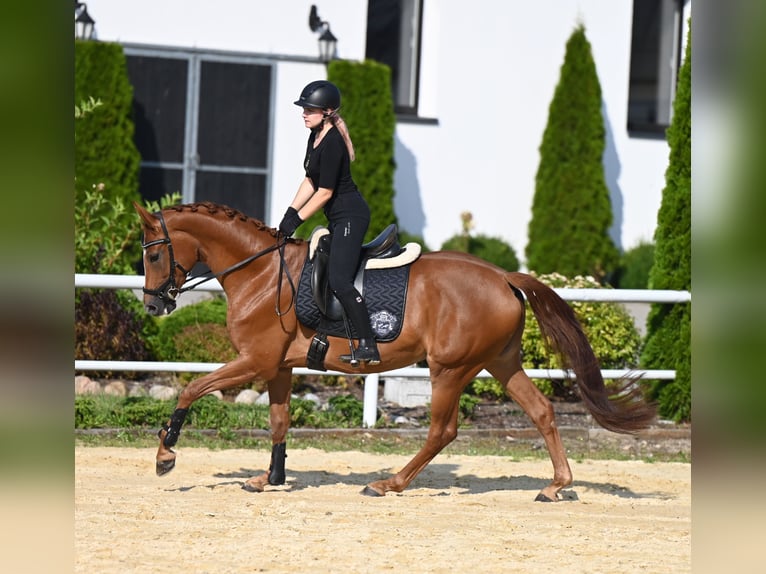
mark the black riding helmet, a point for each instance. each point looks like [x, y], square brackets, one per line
[319, 94]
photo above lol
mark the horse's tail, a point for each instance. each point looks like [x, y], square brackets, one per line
[622, 409]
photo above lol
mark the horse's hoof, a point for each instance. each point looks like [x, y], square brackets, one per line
[251, 487]
[368, 491]
[165, 466]
[542, 498]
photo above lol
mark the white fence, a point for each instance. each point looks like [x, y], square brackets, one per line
[372, 380]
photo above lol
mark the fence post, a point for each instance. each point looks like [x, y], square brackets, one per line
[370, 412]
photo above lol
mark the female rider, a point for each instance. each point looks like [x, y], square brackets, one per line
[328, 185]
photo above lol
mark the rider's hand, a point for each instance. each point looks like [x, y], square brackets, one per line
[290, 222]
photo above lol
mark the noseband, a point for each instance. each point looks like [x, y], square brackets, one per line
[169, 291]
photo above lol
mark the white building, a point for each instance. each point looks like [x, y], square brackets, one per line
[475, 82]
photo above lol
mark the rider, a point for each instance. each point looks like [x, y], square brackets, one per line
[328, 184]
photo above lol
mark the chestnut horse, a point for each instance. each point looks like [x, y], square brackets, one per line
[463, 315]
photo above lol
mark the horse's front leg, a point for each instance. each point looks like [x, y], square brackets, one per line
[237, 372]
[279, 418]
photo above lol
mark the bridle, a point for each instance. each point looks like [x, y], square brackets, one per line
[168, 292]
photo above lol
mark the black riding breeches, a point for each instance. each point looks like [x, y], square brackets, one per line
[347, 237]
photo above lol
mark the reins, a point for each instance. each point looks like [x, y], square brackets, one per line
[169, 291]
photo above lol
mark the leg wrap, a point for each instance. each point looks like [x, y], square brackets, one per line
[174, 427]
[277, 466]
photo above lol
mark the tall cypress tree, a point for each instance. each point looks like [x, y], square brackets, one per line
[571, 210]
[668, 341]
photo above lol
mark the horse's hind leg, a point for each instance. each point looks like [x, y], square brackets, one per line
[279, 420]
[522, 390]
[445, 400]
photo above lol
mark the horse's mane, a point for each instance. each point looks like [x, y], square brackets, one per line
[218, 210]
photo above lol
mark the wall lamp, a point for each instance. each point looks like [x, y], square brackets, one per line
[327, 41]
[84, 25]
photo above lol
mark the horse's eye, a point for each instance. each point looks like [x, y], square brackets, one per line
[154, 257]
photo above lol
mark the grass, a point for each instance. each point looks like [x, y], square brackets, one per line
[373, 442]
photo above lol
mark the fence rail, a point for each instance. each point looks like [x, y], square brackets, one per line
[372, 381]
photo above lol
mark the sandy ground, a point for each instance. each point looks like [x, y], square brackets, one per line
[462, 514]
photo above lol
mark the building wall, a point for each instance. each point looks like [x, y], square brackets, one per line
[488, 73]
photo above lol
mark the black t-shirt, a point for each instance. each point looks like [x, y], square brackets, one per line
[329, 166]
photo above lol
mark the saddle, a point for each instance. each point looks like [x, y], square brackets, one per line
[381, 278]
[383, 252]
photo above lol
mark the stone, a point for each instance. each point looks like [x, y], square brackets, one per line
[116, 388]
[247, 396]
[162, 393]
[86, 386]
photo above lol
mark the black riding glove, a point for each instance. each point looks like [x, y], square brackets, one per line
[290, 222]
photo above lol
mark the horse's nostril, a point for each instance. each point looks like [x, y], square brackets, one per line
[151, 309]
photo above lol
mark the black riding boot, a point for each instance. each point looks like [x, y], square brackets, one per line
[367, 349]
[366, 352]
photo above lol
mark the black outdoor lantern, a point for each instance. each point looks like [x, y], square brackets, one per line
[83, 23]
[327, 40]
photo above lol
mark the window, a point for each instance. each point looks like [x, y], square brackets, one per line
[393, 38]
[202, 126]
[658, 28]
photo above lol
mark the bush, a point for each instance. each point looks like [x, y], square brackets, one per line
[634, 268]
[195, 333]
[110, 326]
[608, 326]
[490, 249]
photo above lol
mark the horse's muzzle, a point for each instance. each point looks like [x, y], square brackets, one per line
[158, 307]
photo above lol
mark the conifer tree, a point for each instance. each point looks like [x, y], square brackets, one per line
[571, 210]
[668, 341]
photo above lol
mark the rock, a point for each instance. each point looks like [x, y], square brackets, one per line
[137, 390]
[86, 386]
[116, 388]
[263, 399]
[247, 396]
[313, 398]
[162, 393]
[216, 394]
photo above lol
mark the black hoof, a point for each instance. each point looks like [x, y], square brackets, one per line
[542, 498]
[367, 491]
[165, 466]
[250, 488]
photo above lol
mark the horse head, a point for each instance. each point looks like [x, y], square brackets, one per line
[164, 273]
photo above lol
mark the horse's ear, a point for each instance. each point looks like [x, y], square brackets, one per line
[149, 220]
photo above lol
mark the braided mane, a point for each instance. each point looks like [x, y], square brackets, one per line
[217, 210]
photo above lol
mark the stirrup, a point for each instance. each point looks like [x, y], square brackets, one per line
[364, 353]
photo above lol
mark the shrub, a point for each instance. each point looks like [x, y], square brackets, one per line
[109, 327]
[195, 333]
[490, 249]
[608, 326]
[634, 268]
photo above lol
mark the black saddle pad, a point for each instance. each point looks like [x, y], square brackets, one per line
[384, 291]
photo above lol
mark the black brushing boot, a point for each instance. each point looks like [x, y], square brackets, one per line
[277, 466]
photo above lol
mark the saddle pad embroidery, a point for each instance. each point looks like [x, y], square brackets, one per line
[385, 292]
